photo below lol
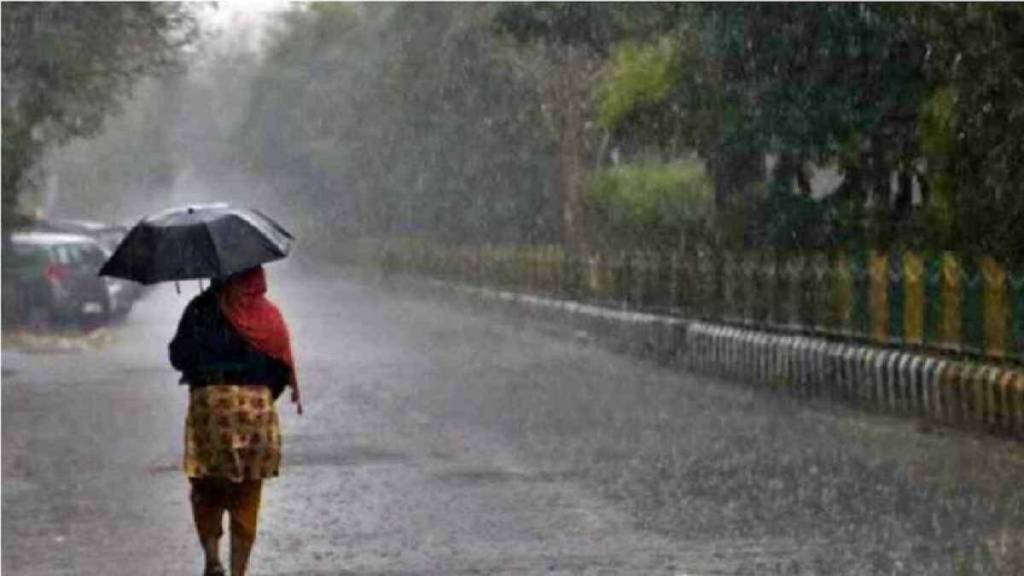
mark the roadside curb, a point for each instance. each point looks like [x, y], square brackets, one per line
[958, 393]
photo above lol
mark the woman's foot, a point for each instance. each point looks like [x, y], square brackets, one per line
[214, 570]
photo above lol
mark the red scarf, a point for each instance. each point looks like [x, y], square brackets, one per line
[243, 300]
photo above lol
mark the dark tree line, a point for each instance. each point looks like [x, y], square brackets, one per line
[564, 122]
[918, 107]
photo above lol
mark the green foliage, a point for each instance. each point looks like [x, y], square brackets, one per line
[648, 205]
[823, 84]
[899, 98]
[66, 66]
[639, 75]
[796, 222]
[423, 120]
[973, 132]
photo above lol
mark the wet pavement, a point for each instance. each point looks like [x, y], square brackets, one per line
[443, 441]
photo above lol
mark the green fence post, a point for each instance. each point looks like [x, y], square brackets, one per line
[562, 265]
[974, 315]
[673, 303]
[759, 301]
[792, 299]
[641, 279]
[621, 279]
[704, 282]
[637, 275]
[720, 303]
[750, 287]
[725, 285]
[1016, 281]
[805, 294]
[668, 280]
[787, 304]
[842, 297]
[685, 281]
[770, 281]
[824, 279]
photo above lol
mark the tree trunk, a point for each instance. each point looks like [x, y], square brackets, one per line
[569, 94]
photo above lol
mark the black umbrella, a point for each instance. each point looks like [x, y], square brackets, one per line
[203, 241]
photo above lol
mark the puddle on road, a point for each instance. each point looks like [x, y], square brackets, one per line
[57, 342]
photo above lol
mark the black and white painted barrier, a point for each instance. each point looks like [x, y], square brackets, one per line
[951, 391]
[945, 390]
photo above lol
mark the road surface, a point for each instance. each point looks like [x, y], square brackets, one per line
[442, 441]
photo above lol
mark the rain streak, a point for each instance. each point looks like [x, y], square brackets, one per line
[512, 288]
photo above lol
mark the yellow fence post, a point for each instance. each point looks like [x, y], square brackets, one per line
[913, 301]
[997, 310]
[952, 297]
[878, 296]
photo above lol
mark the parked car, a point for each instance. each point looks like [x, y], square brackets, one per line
[56, 280]
[108, 235]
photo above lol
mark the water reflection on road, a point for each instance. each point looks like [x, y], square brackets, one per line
[440, 442]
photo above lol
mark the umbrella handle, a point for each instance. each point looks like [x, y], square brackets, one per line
[177, 287]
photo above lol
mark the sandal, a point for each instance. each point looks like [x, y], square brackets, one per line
[214, 570]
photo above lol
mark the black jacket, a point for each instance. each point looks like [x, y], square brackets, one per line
[208, 350]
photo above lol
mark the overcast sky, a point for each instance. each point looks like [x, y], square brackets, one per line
[230, 19]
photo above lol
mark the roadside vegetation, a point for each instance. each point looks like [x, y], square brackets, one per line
[817, 126]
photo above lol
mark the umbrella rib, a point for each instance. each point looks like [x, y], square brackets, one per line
[216, 251]
[274, 224]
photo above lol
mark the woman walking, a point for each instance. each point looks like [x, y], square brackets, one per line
[233, 350]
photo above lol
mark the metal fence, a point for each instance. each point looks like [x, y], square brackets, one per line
[939, 302]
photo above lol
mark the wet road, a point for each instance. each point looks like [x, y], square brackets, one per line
[437, 441]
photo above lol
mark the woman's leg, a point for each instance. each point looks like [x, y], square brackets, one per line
[244, 511]
[208, 506]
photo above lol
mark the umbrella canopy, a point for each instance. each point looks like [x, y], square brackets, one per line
[202, 241]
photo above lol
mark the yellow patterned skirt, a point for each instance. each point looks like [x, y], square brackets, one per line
[232, 432]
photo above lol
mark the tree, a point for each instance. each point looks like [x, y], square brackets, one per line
[573, 40]
[66, 66]
[816, 83]
[402, 120]
[914, 104]
[972, 132]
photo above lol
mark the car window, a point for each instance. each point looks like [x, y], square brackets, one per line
[75, 254]
[91, 256]
[28, 255]
[27, 251]
[62, 254]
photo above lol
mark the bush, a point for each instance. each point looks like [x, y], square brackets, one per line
[649, 205]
